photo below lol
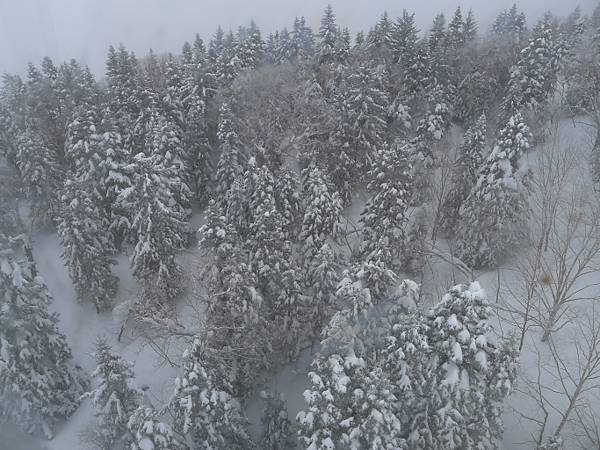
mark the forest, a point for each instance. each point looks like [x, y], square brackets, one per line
[309, 239]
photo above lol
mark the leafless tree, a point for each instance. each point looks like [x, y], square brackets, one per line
[567, 376]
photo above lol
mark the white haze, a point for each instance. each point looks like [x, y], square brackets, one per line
[83, 29]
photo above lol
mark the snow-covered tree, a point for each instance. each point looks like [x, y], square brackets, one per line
[415, 245]
[158, 226]
[278, 432]
[39, 385]
[533, 78]
[464, 173]
[115, 398]
[232, 152]
[208, 416]
[288, 201]
[323, 280]
[323, 210]
[149, 432]
[493, 218]
[328, 35]
[384, 216]
[87, 246]
[363, 105]
[468, 375]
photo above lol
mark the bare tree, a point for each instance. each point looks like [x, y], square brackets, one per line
[565, 381]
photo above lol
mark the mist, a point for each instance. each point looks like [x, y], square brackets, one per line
[83, 29]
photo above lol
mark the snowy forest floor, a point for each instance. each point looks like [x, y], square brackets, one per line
[83, 326]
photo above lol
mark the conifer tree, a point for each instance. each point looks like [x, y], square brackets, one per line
[384, 216]
[232, 152]
[205, 414]
[278, 431]
[464, 173]
[158, 226]
[148, 432]
[115, 398]
[533, 78]
[328, 35]
[323, 210]
[363, 106]
[469, 377]
[493, 218]
[323, 280]
[39, 385]
[87, 246]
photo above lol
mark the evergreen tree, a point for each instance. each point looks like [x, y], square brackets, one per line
[534, 77]
[232, 152]
[87, 246]
[323, 279]
[158, 226]
[415, 245]
[117, 176]
[323, 210]
[39, 385]
[464, 173]
[493, 218]
[469, 375]
[115, 398]
[206, 415]
[288, 202]
[328, 35]
[278, 431]
[384, 216]
[363, 106]
[148, 432]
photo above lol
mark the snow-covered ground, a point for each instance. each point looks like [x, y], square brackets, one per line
[83, 326]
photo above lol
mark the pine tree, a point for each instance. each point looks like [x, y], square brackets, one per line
[251, 48]
[39, 385]
[158, 226]
[493, 218]
[148, 432]
[278, 431]
[87, 246]
[464, 173]
[206, 415]
[115, 398]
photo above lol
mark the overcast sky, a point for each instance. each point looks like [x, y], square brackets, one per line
[83, 29]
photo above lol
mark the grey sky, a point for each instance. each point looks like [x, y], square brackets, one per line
[83, 29]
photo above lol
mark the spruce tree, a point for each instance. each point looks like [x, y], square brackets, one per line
[39, 385]
[115, 398]
[323, 280]
[493, 218]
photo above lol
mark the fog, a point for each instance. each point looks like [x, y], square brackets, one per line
[83, 29]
